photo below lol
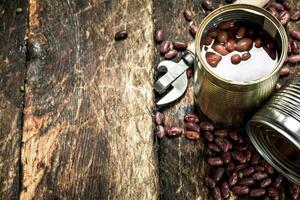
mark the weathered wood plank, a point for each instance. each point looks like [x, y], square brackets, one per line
[88, 126]
[181, 161]
[12, 75]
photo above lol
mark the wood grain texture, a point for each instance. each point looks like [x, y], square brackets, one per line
[181, 161]
[12, 75]
[87, 122]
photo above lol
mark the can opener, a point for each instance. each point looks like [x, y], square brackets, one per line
[176, 72]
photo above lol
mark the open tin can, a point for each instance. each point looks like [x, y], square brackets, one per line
[275, 130]
[227, 102]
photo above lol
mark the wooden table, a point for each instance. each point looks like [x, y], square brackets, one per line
[83, 127]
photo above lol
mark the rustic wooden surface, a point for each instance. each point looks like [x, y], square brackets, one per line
[12, 75]
[86, 131]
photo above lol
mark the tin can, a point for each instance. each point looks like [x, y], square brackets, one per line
[275, 130]
[227, 102]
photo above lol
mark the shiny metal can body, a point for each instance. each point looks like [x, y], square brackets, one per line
[275, 130]
[232, 103]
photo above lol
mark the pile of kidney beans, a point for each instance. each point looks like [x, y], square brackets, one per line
[235, 166]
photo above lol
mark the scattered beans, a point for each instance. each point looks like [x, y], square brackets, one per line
[121, 35]
[215, 161]
[213, 147]
[233, 179]
[295, 48]
[273, 193]
[191, 118]
[295, 15]
[160, 132]
[248, 171]
[277, 6]
[235, 59]
[221, 133]
[273, 11]
[226, 24]
[164, 47]
[188, 14]
[217, 194]
[226, 157]
[193, 29]
[225, 190]
[258, 43]
[174, 131]
[170, 54]
[190, 126]
[294, 59]
[284, 17]
[222, 36]
[246, 56]
[207, 4]
[244, 44]
[254, 159]
[159, 118]
[207, 40]
[230, 169]
[295, 34]
[206, 126]
[180, 45]
[278, 181]
[241, 32]
[209, 182]
[259, 168]
[265, 182]
[240, 190]
[285, 71]
[230, 45]
[258, 176]
[213, 33]
[208, 136]
[223, 144]
[192, 135]
[246, 181]
[286, 4]
[219, 174]
[219, 48]
[159, 36]
[259, 192]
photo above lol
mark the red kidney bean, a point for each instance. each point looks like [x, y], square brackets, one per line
[213, 33]
[294, 58]
[240, 167]
[285, 71]
[174, 131]
[258, 176]
[207, 40]
[235, 59]
[213, 147]
[241, 32]
[225, 190]
[215, 161]
[248, 154]
[294, 190]
[239, 156]
[244, 44]
[188, 14]
[226, 24]
[217, 194]
[266, 182]
[121, 35]
[222, 37]
[221, 133]
[208, 4]
[295, 15]
[240, 190]
[277, 6]
[273, 193]
[191, 118]
[259, 192]
[246, 181]
[233, 179]
[290, 47]
[180, 45]
[159, 118]
[295, 34]
[273, 11]
[258, 43]
[271, 53]
[170, 54]
[295, 47]
[268, 168]
[230, 168]
[286, 4]
[209, 182]
[223, 144]
[259, 168]
[284, 17]
[242, 146]
[206, 126]
[226, 157]
[190, 72]
[246, 56]
[254, 159]
[278, 181]
[212, 59]
[248, 171]
[233, 135]
[190, 126]
[160, 132]
[219, 48]
[193, 29]
[208, 136]
[230, 45]
[192, 135]
[219, 174]
[164, 47]
[159, 35]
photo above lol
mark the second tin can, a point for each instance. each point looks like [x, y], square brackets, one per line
[227, 102]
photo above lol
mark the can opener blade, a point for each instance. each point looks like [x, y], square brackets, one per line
[175, 76]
